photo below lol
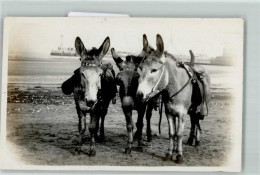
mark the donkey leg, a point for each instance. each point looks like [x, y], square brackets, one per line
[139, 125]
[81, 126]
[102, 134]
[97, 127]
[103, 115]
[148, 120]
[192, 129]
[172, 128]
[93, 132]
[129, 127]
[181, 122]
[198, 132]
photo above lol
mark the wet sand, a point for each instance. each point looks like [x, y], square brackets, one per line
[42, 125]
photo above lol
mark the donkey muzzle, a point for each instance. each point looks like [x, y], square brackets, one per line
[140, 95]
[90, 103]
[127, 102]
[145, 98]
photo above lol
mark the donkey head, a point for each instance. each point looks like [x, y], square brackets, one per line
[90, 69]
[128, 76]
[153, 76]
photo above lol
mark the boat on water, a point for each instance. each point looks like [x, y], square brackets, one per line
[63, 51]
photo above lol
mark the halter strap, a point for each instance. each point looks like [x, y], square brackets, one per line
[157, 83]
[176, 93]
[181, 64]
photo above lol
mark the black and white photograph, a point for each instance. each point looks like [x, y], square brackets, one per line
[146, 94]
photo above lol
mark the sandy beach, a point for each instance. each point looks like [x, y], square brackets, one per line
[42, 122]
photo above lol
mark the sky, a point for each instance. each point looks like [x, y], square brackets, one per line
[38, 36]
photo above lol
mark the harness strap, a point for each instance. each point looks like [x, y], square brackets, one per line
[180, 64]
[157, 83]
[160, 112]
[176, 93]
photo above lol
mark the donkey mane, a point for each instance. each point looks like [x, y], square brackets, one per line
[167, 54]
[154, 56]
[93, 52]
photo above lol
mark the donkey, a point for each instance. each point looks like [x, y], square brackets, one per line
[161, 74]
[87, 86]
[127, 79]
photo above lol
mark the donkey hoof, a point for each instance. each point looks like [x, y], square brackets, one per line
[190, 141]
[128, 150]
[141, 143]
[100, 139]
[79, 141]
[197, 143]
[179, 159]
[149, 138]
[92, 153]
[167, 157]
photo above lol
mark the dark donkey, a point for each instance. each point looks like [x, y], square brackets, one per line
[93, 85]
[161, 74]
[127, 79]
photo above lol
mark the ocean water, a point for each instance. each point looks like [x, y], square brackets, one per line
[55, 70]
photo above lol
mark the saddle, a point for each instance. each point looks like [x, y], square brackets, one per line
[200, 89]
[68, 85]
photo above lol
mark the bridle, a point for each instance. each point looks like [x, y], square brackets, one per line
[156, 84]
[179, 64]
[91, 64]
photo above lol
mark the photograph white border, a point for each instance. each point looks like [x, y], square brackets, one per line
[5, 154]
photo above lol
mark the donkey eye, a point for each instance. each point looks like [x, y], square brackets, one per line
[153, 70]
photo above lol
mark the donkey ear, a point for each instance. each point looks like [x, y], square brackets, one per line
[104, 48]
[80, 48]
[159, 44]
[116, 58]
[147, 49]
[67, 86]
[145, 43]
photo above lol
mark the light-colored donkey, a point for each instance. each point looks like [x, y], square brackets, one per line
[161, 73]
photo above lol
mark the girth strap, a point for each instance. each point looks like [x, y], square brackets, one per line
[180, 64]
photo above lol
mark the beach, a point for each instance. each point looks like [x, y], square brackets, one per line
[42, 122]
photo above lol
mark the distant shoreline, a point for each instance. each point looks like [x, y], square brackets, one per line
[76, 58]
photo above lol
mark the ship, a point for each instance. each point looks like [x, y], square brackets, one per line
[63, 51]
